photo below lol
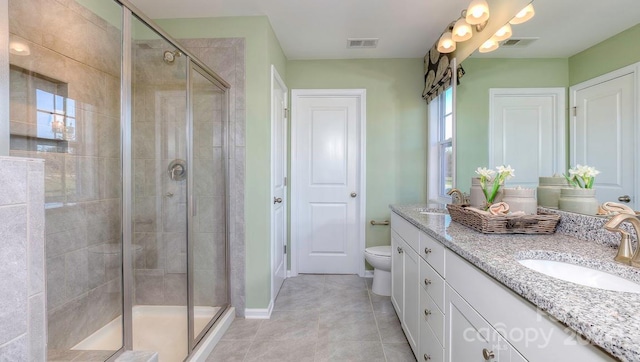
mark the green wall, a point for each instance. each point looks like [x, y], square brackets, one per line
[614, 53]
[261, 50]
[472, 119]
[396, 127]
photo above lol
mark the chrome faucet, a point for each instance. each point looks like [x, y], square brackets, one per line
[625, 251]
[457, 197]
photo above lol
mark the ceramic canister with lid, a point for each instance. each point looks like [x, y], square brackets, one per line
[582, 201]
[521, 199]
[549, 190]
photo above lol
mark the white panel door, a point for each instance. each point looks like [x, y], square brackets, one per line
[602, 135]
[527, 131]
[278, 182]
[326, 171]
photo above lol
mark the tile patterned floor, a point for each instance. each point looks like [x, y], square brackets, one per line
[320, 318]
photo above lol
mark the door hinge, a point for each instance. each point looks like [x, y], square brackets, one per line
[575, 111]
[285, 249]
[285, 181]
[286, 113]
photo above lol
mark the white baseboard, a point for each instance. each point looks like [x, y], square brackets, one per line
[258, 313]
[368, 273]
[212, 337]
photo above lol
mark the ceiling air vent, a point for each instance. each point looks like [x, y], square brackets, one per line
[357, 43]
[517, 42]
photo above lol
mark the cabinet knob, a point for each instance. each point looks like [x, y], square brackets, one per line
[488, 355]
[427, 357]
[427, 250]
[427, 312]
[427, 281]
[399, 250]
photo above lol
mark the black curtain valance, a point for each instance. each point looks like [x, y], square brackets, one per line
[437, 73]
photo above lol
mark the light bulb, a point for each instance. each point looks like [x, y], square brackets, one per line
[488, 46]
[524, 15]
[503, 33]
[446, 43]
[461, 30]
[19, 48]
[477, 12]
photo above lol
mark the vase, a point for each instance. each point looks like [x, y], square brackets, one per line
[581, 201]
[549, 190]
[520, 199]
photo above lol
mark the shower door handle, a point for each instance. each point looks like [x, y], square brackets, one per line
[194, 207]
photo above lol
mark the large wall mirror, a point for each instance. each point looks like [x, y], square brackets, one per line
[566, 44]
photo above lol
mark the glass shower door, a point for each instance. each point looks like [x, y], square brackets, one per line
[208, 265]
[159, 195]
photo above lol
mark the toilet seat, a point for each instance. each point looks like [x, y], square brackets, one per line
[379, 250]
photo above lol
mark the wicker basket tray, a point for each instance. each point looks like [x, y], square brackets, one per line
[526, 224]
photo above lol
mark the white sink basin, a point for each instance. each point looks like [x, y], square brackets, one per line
[581, 275]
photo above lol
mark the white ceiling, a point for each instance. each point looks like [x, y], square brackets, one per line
[319, 29]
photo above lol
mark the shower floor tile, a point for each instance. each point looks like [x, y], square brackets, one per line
[319, 318]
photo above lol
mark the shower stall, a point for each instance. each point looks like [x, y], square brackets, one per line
[133, 130]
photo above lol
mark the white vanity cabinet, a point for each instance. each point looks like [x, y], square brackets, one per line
[417, 288]
[405, 297]
[470, 337]
[452, 311]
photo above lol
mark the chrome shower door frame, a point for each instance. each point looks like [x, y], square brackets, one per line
[128, 12]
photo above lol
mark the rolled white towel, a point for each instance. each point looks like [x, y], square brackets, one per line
[499, 208]
[481, 212]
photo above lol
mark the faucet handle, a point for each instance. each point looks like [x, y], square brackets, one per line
[625, 251]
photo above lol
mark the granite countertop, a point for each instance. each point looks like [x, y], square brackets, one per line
[609, 319]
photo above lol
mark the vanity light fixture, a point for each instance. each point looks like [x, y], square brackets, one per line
[489, 45]
[477, 12]
[19, 48]
[446, 43]
[503, 33]
[524, 15]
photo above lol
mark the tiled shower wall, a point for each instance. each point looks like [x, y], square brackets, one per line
[226, 57]
[22, 301]
[76, 55]
[159, 229]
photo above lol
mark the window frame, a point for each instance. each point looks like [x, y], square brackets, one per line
[437, 191]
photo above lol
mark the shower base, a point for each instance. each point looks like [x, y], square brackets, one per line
[162, 329]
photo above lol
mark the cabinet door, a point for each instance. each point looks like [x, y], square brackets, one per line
[397, 267]
[469, 337]
[411, 320]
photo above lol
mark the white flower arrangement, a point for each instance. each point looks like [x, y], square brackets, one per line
[487, 175]
[582, 176]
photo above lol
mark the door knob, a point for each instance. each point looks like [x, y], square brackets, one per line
[277, 200]
[624, 198]
[487, 354]
[353, 194]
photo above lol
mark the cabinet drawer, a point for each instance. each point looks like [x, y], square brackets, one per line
[433, 252]
[432, 283]
[430, 348]
[409, 233]
[432, 316]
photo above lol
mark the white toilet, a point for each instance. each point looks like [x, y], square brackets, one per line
[380, 259]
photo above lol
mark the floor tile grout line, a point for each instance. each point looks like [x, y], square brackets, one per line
[253, 339]
[375, 318]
